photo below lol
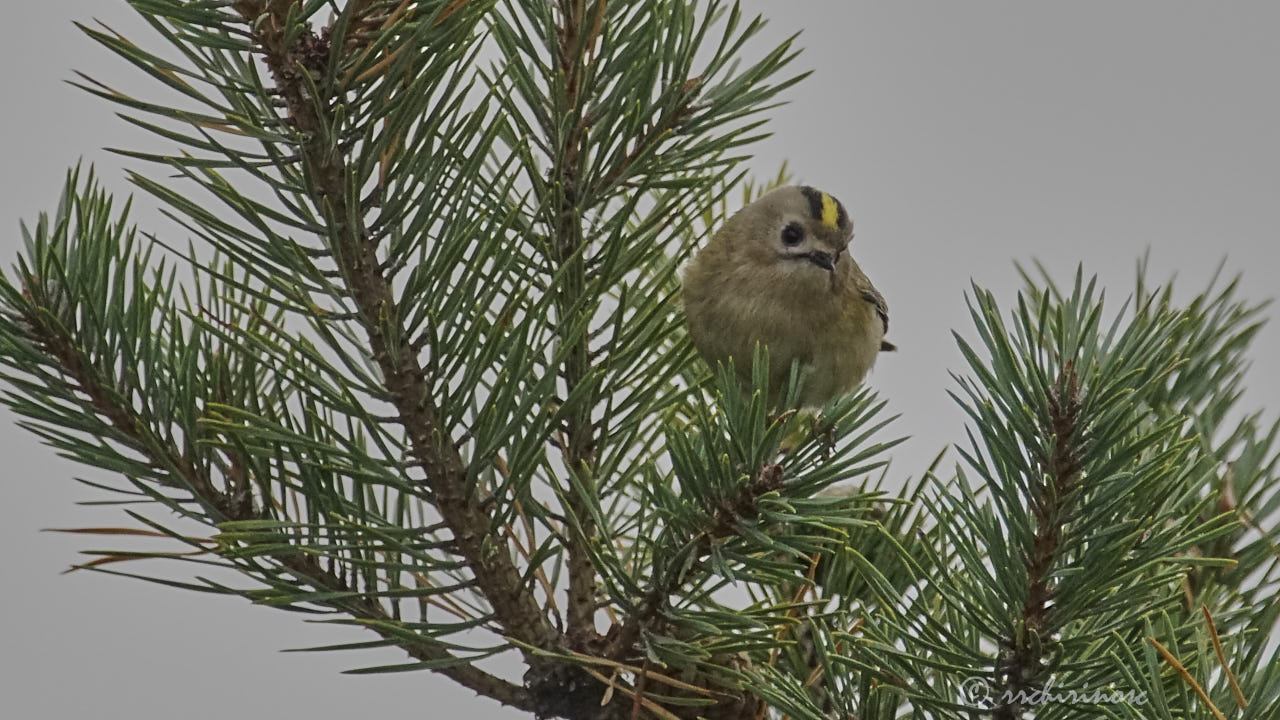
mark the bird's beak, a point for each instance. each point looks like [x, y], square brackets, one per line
[826, 261]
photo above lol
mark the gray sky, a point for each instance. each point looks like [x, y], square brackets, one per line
[962, 137]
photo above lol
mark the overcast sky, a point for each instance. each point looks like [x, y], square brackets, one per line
[962, 136]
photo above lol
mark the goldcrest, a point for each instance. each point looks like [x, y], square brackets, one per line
[779, 273]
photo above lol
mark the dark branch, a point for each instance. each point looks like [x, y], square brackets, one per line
[578, 448]
[724, 522]
[496, 574]
[1021, 666]
[233, 504]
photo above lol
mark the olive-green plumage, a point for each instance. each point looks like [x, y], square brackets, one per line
[779, 273]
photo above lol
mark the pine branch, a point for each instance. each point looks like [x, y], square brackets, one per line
[575, 38]
[230, 505]
[407, 385]
[1021, 666]
[725, 522]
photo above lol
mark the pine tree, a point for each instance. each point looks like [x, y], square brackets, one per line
[420, 368]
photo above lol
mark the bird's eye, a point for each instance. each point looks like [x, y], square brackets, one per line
[792, 234]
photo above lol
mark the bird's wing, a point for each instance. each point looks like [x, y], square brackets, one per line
[873, 296]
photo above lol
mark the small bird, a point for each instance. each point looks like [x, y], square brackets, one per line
[779, 274]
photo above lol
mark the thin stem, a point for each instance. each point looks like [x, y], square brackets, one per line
[489, 559]
[579, 447]
[1021, 665]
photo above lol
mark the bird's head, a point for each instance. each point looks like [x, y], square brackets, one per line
[797, 228]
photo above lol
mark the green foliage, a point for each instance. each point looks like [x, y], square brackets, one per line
[419, 368]
[1099, 526]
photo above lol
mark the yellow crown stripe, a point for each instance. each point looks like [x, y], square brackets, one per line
[830, 212]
